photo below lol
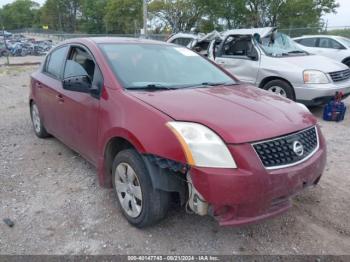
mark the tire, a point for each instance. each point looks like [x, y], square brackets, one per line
[280, 87]
[4, 53]
[154, 203]
[38, 126]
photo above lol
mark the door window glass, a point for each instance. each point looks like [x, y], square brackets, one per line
[238, 46]
[55, 62]
[310, 42]
[182, 41]
[329, 43]
[79, 63]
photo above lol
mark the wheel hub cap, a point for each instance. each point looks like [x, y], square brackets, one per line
[128, 190]
[36, 118]
[278, 91]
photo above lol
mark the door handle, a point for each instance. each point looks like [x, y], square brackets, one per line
[221, 62]
[60, 98]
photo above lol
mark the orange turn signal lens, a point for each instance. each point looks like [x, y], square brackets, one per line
[185, 147]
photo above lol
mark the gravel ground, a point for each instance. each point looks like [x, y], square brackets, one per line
[20, 60]
[54, 199]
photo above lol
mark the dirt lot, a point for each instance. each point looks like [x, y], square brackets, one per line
[21, 60]
[53, 197]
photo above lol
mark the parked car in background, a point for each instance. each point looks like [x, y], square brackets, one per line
[7, 34]
[334, 47]
[197, 42]
[272, 61]
[161, 123]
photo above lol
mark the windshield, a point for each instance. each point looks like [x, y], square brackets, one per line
[161, 66]
[345, 41]
[283, 45]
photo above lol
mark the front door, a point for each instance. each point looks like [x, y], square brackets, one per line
[239, 56]
[81, 109]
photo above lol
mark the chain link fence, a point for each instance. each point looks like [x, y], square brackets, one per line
[41, 35]
[61, 36]
[292, 31]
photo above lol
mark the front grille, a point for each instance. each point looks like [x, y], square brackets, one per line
[287, 150]
[340, 75]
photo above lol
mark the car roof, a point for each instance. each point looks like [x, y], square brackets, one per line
[186, 35]
[114, 40]
[199, 36]
[313, 36]
[263, 31]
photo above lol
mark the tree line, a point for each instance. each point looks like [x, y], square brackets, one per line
[125, 16]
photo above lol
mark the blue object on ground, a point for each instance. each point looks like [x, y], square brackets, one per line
[335, 109]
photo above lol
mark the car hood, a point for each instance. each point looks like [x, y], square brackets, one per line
[239, 113]
[315, 62]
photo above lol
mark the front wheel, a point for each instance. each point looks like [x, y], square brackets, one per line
[281, 88]
[141, 204]
[38, 126]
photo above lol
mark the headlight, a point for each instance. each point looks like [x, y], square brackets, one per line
[315, 77]
[202, 147]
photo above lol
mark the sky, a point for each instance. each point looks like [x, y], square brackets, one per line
[341, 18]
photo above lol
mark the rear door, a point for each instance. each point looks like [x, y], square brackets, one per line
[48, 85]
[330, 47]
[324, 46]
[235, 55]
[81, 110]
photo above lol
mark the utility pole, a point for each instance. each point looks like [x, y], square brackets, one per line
[5, 44]
[145, 13]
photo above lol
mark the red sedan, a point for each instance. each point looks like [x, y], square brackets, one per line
[163, 124]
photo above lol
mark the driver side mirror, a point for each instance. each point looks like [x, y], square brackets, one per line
[77, 79]
[80, 84]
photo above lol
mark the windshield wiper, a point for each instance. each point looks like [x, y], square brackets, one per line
[291, 52]
[151, 87]
[211, 84]
[296, 52]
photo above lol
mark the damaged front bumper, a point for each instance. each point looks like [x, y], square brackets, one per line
[252, 193]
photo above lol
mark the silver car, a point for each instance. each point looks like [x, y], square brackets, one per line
[272, 61]
[197, 42]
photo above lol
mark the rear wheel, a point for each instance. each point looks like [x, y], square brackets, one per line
[141, 204]
[280, 87]
[38, 126]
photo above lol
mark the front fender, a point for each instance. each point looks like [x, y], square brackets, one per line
[118, 132]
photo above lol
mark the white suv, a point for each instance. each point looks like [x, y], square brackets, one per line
[335, 47]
